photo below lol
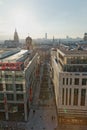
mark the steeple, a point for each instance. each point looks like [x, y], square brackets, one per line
[16, 38]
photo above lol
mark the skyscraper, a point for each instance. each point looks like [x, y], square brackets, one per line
[45, 35]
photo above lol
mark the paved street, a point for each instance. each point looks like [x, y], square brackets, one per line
[44, 116]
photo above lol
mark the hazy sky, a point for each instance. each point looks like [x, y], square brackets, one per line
[36, 17]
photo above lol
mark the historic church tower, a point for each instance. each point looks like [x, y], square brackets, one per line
[16, 38]
[29, 45]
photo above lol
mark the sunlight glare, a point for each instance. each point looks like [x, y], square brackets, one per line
[20, 19]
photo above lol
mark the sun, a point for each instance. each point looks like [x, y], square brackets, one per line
[24, 20]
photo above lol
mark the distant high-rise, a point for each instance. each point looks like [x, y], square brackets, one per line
[16, 38]
[45, 35]
[53, 39]
[85, 37]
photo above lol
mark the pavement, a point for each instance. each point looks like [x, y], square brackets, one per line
[44, 117]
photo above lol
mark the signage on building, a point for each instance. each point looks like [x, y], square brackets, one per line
[10, 66]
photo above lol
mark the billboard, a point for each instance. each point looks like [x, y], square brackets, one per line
[10, 66]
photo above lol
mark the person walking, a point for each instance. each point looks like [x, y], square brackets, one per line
[52, 118]
[33, 112]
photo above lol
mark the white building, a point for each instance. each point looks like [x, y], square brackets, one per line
[69, 73]
[17, 81]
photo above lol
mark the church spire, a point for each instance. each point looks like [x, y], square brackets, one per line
[16, 38]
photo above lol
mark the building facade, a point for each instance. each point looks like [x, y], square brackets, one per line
[18, 73]
[69, 74]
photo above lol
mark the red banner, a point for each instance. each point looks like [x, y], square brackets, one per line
[11, 66]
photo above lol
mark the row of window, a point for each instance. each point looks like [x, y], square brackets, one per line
[68, 92]
[20, 106]
[66, 81]
[77, 60]
[10, 97]
[10, 76]
[10, 87]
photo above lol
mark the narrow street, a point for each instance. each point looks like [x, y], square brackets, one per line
[43, 111]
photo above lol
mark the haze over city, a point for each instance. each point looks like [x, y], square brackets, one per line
[43, 65]
[35, 17]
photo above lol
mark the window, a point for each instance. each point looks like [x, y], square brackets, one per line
[1, 96]
[19, 87]
[19, 97]
[83, 95]
[70, 96]
[1, 87]
[63, 81]
[70, 81]
[1, 106]
[84, 81]
[76, 81]
[66, 81]
[9, 87]
[19, 77]
[8, 77]
[75, 97]
[66, 95]
[63, 96]
[10, 97]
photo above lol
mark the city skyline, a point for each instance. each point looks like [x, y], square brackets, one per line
[35, 18]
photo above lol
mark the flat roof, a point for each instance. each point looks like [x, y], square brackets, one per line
[14, 57]
[73, 52]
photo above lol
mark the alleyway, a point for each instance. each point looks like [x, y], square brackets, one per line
[43, 112]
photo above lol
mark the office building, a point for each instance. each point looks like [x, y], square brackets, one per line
[69, 74]
[18, 72]
[45, 35]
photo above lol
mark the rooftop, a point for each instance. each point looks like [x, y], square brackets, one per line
[15, 59]
[73, 52]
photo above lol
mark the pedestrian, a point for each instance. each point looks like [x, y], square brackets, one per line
[33, 112]
[52, 118]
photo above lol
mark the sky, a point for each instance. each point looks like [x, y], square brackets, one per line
[58, 18]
